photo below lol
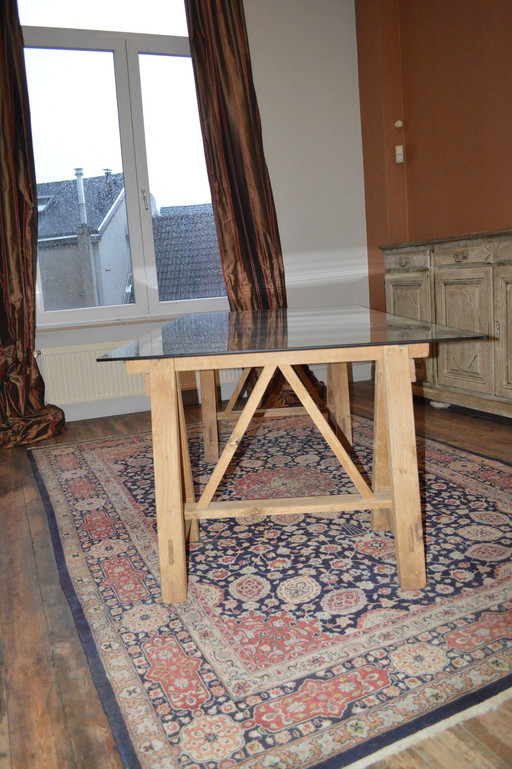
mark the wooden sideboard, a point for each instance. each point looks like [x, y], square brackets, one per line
[466, 283]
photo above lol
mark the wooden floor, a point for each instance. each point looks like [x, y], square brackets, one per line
[50, 713]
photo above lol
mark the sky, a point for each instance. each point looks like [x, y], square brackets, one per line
[73, 99]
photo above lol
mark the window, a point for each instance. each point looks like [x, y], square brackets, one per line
[126, 227]
[154, 17]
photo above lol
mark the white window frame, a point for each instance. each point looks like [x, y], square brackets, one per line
[125, 48]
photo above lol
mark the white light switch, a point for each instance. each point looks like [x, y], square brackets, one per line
[399, 153]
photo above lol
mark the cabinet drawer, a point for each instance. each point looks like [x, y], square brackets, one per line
[463, 254]
[408, 260]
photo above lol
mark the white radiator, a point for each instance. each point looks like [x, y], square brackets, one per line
[229, 375]
[73, 375]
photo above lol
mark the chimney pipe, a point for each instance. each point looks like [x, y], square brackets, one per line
[79, 173]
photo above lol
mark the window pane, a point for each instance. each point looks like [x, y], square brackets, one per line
[83, 245]
[185, 238]
[161, 17]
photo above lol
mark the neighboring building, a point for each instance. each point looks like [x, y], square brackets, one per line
[187, 253]
[83, 246]
[84, 249]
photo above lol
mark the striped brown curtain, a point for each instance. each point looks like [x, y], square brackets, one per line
[241, 193]
[23, 415]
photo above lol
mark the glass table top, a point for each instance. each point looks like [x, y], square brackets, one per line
[224, 333]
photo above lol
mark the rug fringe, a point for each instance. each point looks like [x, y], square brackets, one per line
[415, 739]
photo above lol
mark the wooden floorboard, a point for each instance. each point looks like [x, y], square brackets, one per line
[35, 714]
[78, 695]
[5, 748]
[477, 432]
[50, 714]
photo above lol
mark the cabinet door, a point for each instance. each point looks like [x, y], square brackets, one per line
[463, 300]
[408, 294]
[503, 329]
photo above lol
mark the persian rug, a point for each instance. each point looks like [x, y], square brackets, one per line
[296, 647]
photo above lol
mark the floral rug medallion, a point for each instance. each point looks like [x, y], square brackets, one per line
[296, 647]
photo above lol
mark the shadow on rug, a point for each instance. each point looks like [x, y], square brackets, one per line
[296, 647]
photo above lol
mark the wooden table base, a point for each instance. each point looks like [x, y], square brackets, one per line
[393, 497]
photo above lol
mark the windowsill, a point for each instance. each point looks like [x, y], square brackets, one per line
[209, 304]
[135, 321]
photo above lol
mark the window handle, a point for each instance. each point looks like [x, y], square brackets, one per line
[145, 199]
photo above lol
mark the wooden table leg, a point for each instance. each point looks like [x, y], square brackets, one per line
[209, 415]
[168, 482]
[338, 395]
[401, 438]
[191, 527]
[381, 481]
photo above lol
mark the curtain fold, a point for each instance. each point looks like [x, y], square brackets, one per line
[241, 193]
[23, 415]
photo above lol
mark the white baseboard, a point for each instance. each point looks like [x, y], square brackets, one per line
[108, 408]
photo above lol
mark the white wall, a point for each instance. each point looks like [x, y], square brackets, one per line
[304, 61]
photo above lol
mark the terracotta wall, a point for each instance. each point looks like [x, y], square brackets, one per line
[442, 67]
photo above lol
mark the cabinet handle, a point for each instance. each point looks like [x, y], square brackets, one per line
[498, 331]
[460, 257]
[404, 261]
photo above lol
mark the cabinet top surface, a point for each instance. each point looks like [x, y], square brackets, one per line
[221, 333]
[470, 238]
